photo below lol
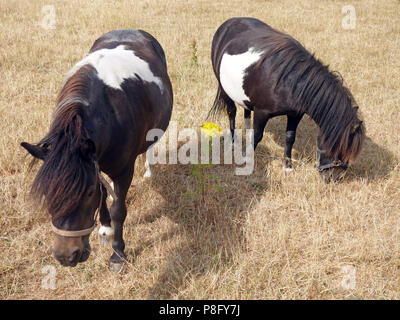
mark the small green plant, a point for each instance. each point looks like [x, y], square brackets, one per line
[259, 188]
[209, 130]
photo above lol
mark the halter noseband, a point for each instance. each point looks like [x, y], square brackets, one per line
[334, 164]
[73, 233]
[84, 232]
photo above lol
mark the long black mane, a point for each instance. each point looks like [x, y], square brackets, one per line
[63, 177]
[318, 92]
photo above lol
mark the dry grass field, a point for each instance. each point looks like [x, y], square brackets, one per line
[269, 235]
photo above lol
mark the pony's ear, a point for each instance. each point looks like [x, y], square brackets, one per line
[88, 148]
[35, 150]
[356, 125]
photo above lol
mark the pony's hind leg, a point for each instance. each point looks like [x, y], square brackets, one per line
[291, 126]
[148, 173]
[247, 119]
[231, 110]
[222, 101]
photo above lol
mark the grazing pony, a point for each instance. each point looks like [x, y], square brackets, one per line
[108, 103]
[270, 73]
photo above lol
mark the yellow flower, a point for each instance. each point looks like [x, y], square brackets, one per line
[211, 129]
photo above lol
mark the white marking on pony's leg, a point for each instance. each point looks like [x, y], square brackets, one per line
[148, 172]
[232, 73]
[115, 65]
[288, 169]
[110, 196]
[106, 235]
[247, 123]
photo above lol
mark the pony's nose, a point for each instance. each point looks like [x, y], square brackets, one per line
[70, 259]
[326, 176]
[74, 257]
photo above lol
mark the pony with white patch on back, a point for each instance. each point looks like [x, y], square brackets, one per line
[271, 74]
[104, 111]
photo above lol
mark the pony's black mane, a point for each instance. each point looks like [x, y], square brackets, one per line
[63, 177]
[316, 91]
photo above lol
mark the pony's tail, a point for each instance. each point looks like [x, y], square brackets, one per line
[218, 106]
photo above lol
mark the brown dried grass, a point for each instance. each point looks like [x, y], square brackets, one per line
[264, 236]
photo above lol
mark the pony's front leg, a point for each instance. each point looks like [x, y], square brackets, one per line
[291, 127]
[118, 215]
[260, 120]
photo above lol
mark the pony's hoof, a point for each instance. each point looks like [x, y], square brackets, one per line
[288, 169]
[106, 235]
[117, 267]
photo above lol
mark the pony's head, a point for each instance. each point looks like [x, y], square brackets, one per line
[68, 185]
[333, 160]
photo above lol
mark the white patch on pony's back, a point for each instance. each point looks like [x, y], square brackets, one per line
[232, 72]
[113, 66]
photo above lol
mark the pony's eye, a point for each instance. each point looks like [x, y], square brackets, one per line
[90, 192]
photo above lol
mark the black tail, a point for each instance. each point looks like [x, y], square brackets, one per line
[218, 106]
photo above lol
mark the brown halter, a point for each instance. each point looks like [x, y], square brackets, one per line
[333, 164]
[84, 232]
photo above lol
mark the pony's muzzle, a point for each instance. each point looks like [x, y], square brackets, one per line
[70, 251]
[333, 174]
[68, 260]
